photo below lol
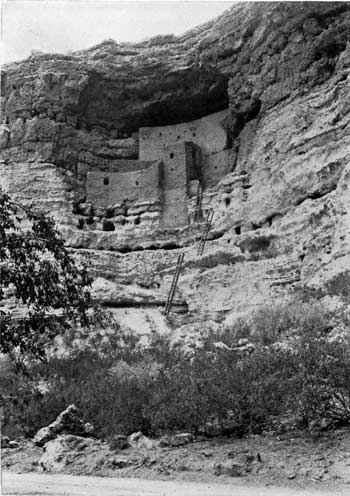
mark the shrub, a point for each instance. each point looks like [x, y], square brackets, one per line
[270, 324]
[163, 388]
[273, 323]
[339, 285]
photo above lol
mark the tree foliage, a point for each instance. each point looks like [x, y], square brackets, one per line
[48, 289]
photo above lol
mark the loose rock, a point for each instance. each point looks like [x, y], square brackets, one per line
[120, 462]
[139, 440]
[67, 422]
[43, 436]
[229, 468]
[177, 440]
[63, 451]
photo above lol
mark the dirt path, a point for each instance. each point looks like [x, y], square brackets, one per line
[34, 484]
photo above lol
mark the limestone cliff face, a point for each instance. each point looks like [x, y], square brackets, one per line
[281, 210]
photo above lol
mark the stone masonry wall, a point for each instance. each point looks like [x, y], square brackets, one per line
[113, 188]
[189, 151]
[125, 181]
[176, 160]
[208, 133]
[108, 165]
[125, 165]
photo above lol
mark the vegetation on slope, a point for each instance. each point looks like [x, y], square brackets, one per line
[283, 367]
[290, 375]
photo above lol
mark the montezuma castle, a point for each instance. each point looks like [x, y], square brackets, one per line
[176, 163]
[246, 117]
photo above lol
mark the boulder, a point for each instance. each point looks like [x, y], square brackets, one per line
[63, 451]
[177, 440]
[139, 440]
[43, 436]
[118, 462]
[67, 422]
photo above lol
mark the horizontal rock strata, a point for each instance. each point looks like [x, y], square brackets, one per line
[280, 71]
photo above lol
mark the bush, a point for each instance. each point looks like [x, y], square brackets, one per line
[163, 388]
[270, 324]
[273, 323]
[339, 285]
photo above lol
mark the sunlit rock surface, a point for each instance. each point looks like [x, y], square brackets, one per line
[282, 210]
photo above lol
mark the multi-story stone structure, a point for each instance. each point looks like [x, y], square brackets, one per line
[174, 162]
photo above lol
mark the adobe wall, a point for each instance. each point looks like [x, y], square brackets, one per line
[178, 167]
[189, 151]
[165, 181]
[207, 132]
[175, 159]
[125, 165]
[113, 188]
[115, 165]
[175, 210]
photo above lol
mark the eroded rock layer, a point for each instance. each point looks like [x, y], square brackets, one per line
[277, 74]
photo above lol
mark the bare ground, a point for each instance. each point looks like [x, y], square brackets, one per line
[72, 485]
[297, 462]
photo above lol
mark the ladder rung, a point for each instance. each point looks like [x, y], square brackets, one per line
[174, 284]
[198, 206]
[204, 238]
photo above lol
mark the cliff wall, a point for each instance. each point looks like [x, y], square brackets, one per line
[280, 199]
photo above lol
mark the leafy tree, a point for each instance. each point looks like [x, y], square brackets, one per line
[49, 289]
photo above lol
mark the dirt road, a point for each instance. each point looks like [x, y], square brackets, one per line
[34, 484]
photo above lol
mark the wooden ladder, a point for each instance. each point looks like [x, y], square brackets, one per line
[198, 208]
[206, 232]
[171, 294]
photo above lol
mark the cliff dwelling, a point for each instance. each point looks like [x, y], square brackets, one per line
[187, 296]
[175, 164]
